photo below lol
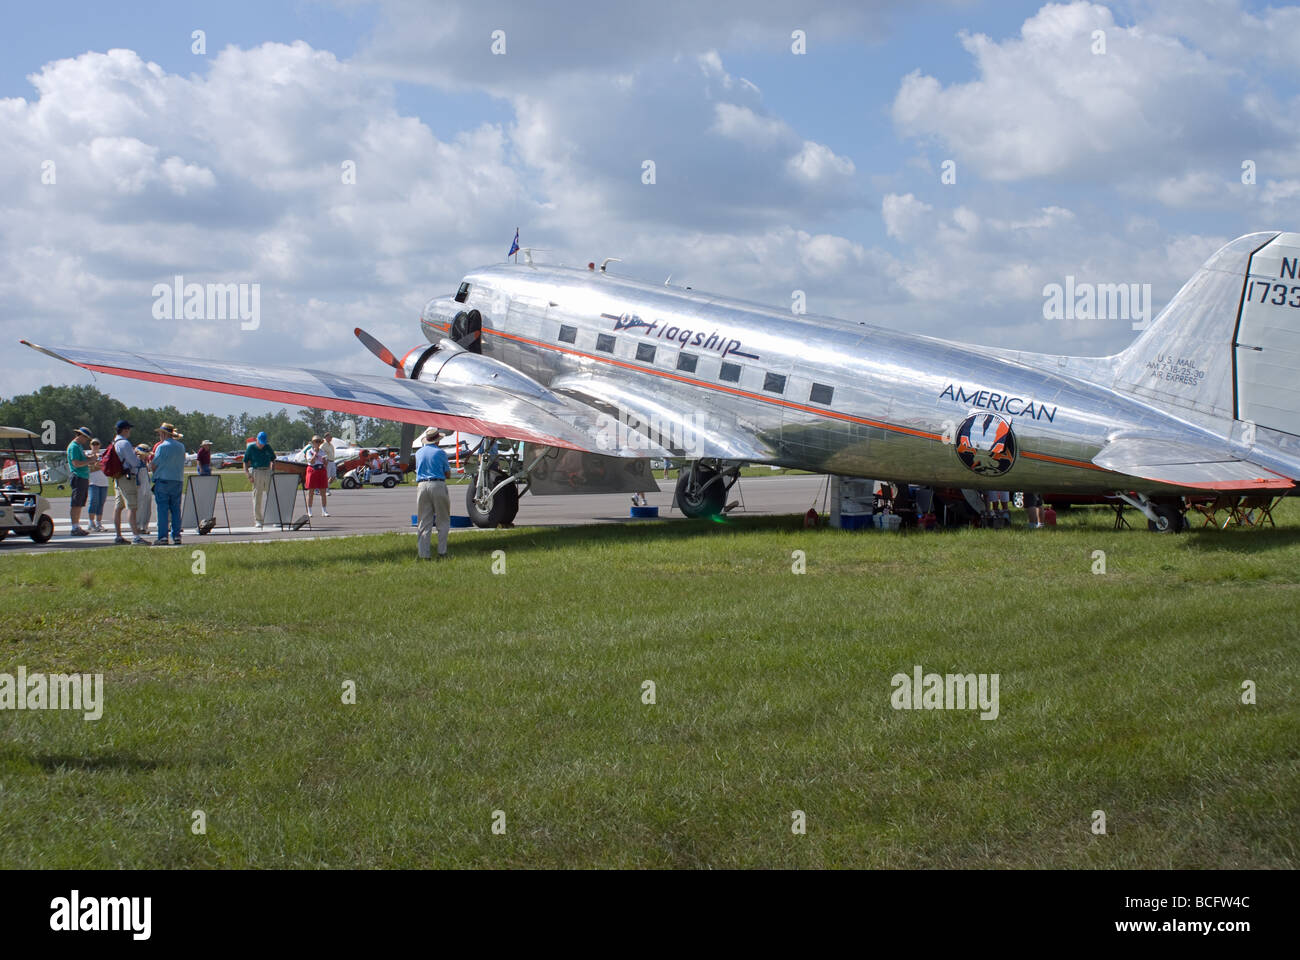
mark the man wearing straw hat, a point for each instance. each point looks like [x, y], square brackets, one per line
[204, 458]
[431, 500]
[168, 481]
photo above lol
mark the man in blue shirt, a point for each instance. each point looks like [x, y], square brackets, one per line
[168, 481]
[431, 500]
[78, 478]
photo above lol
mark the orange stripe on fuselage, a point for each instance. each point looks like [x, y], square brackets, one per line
[820, 411]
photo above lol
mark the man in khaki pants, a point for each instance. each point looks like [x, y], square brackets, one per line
[432, 501]
[258, 457]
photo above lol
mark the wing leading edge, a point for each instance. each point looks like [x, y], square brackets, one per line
[478, 409]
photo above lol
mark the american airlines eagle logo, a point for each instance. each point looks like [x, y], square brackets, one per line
[986, 444]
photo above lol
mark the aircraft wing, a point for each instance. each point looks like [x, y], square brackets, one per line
[470, 408]
[1186, 465]
[691, 430]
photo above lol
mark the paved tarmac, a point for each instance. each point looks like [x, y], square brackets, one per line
[376, 510]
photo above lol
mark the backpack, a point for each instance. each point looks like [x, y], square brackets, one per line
[111, 463]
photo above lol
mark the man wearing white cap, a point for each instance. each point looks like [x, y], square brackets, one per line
[432, 501]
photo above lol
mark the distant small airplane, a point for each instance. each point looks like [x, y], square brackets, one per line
[597, 373]
[53, 469]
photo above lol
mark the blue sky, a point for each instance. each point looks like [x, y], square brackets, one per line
[776, 172]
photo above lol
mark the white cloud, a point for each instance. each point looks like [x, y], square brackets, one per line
[817, 163]
[1043, 104]
[905, 216]
[235, 176]
[744, 125]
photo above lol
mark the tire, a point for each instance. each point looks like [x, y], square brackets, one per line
[705, 503]
[511, 494]
[1170, 519]
[43, 530]
[349, 483]
[505, 504]
[390, 482]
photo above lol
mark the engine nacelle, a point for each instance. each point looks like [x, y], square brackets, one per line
[448, 362]
[413, 363]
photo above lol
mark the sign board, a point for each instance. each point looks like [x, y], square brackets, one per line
[281, 499]
[199, 501]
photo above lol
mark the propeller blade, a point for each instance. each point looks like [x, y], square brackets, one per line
[377, 348]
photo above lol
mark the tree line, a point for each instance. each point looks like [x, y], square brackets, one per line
[70, 407]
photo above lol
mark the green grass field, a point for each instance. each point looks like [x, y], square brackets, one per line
[522, 693]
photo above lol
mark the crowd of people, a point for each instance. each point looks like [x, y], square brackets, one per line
[142, 476]
[149, 478]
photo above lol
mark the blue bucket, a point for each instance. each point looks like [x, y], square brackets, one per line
[460, 521]
[645, 512]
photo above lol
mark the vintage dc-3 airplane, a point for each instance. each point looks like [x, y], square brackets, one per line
[598, 373]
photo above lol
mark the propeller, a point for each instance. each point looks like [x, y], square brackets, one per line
[378, 349]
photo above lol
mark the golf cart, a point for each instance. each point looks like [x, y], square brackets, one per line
[22, 510]
[355, 473]
[362, 476]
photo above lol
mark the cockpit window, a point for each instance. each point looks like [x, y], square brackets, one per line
[462, 293]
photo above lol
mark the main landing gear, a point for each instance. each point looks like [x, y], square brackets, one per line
[702, 488]
[1165, 516]
[492, 499]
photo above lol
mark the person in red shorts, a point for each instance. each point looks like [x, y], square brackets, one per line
[318, 478]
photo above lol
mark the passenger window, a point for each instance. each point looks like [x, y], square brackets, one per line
[821, 393]
[462, 293]
[774, 383]
[686, 362]
[645, 352]
[605, 343]
[568, 334]
[730, 372]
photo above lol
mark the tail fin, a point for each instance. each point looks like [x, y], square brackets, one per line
[1228, 344]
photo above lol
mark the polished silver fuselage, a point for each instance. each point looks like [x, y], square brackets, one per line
[894, 399]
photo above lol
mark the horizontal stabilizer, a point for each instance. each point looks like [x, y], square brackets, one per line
[1186, 465]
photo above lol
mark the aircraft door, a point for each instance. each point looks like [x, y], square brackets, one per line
[525, 318]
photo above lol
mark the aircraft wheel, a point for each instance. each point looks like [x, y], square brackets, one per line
[502, 509]
[695, 501]
[390, 482]
[43, 530]
[1169, 519]
[510, 496]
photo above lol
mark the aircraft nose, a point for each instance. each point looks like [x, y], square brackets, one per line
[441, 311]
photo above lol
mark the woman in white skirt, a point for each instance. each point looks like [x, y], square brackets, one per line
[144, 495]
